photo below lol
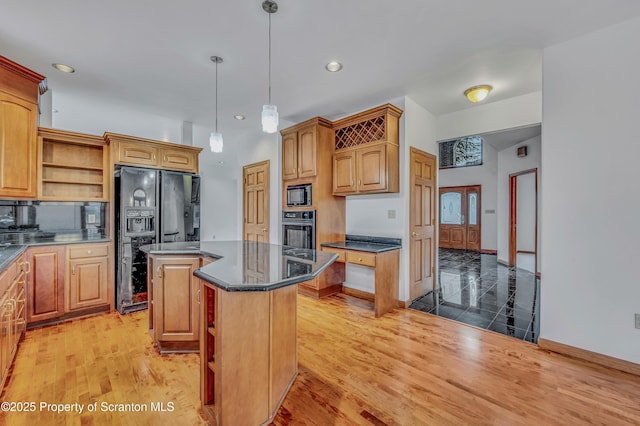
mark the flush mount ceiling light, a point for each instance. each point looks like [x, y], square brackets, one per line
[64, 68]
[215, 140]
[269, 112]
[333, 66]
[239, 117]
[477, 93]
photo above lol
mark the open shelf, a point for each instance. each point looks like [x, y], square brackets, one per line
[73, 166]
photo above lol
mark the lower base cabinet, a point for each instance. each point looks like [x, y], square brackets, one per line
[12, 313]
[174, 296]
[67, 281]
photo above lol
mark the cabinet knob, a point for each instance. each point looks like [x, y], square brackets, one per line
[89, 252]
[359, 259]
[414, 234]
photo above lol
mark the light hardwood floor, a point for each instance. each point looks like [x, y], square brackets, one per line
[405, 368]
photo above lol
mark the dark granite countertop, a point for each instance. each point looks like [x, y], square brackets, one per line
[249, 265]
[9, 252]
[370, 244]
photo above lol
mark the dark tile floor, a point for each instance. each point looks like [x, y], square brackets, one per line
[475, 289]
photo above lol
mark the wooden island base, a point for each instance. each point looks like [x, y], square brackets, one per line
[248, 353]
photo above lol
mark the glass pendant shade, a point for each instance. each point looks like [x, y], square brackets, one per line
[269, 118]
[215, 142]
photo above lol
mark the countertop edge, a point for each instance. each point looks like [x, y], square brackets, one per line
[265, 287]
[341, 245]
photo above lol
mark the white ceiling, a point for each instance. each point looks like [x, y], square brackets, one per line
[156, 53]
[507, 138]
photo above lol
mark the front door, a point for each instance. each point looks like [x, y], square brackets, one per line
[460, 217]
[255, 202]
[422, 217]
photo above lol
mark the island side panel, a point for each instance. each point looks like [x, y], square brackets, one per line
[284, 354]
[243, 336]
[386, 282]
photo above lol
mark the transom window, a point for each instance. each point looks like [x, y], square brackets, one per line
[461, 152]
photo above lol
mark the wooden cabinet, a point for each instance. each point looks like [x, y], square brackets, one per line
[45, 283]
[366, 158]
[86, 284]
[248, 353]
[18, 127]
[174, 296]
[132, 151]
[73, 166]
[12, 312]
[300, 152]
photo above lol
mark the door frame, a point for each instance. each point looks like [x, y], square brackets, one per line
[267, 198]
[513, 198]
[435, 200]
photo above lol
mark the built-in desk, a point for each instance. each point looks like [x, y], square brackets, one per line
[382, 254]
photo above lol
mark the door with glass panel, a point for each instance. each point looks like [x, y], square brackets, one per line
[460, 217]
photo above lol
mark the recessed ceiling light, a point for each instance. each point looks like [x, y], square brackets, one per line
[333, 66]
[239, 117]
[64, 68]
[221, 162]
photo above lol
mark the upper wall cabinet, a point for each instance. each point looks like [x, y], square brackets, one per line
[132, 151]
[19, 90]
[366, 158]
[73, 166]
[300, 149]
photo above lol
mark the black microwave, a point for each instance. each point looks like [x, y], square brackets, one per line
[299, 195]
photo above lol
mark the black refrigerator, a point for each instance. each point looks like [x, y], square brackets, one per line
[152, 206]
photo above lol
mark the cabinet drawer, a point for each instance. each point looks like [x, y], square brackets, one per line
[342, 257]
[360, 258]
[88, 251]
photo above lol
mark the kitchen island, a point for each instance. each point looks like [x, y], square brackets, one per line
[247, 297]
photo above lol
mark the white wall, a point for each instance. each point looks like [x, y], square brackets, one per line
[509, 163]
[520, 111]
[486, 176]
[590, 154]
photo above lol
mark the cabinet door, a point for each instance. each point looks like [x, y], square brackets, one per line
[87, 283]
[18, 123]
[137, 154]
[45, 284]
[178, 159]
[175, 300]
[290, 156]
[344, 173]
[307, 152]
[372, 168]
[5, 322]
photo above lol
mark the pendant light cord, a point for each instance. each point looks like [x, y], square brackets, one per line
[269, 58]
[216, 96]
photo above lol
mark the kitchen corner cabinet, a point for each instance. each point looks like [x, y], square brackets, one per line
[73, 166]
[300, 149]
[18, 130]
[86, 284]
[174, 295]
[132, 151]
[12, 312]
[45, 283]
[366, 158]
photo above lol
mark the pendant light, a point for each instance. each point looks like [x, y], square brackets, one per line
[215, 140]
[269, 112]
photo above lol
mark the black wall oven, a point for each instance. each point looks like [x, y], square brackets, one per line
[299, 229]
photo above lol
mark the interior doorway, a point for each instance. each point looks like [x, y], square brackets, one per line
[460, 224]
[423, 218]
[523, 220]
[255, 202]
